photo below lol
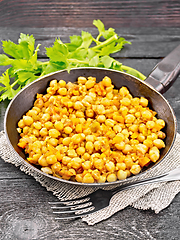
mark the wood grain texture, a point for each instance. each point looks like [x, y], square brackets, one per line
[25, 215]
[148, 43]
[24, 210]
[78, 13]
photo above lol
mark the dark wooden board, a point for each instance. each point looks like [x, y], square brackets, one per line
[24, 210]
[25, 214]
[80, 13]
[146, 42]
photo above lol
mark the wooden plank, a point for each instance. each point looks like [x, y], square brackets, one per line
[25, 214]
[80, 13]
[24, 209]
[146, 42]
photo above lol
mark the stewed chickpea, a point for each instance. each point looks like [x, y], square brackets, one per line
[90, 132]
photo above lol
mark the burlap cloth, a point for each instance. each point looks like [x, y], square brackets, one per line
[155, 196]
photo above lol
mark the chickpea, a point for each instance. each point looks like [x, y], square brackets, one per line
[86, 165]
[110, 122]
[76, 162]
[53, 141]
[123, 91]
[80, 150]
[154, 154]
[135, 169]
[43, 132]
[27, 120]
[89, 84]
[111, 177]
[110, 167]
[90, 138]
[143, 101]
[89, 113]
[46, 170]
[42, 162]
[99, 163]
[66, 160]
[66, 141]
[102, 179]
[51, 159]
[54, 133]
[78, 105]
[150, 124]
[89, 146]
[76, 138]
[62, 91]
[127, 149]
[129, 118]
[86, 156]
[101, 118]
[59, 125]
[82, 80]
[21, 124]
[121, 166]
[106, 81]
[72, 153]
[121, 174]
[48, 125]
[88, 178]
[117, 128]
[126, 101]
[109, 96]
[67, 130]
[142, 148]
[159, 143]
[100, 109]
[147, 115]
[98, 133]
[62, 83]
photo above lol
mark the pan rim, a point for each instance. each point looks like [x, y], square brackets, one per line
[99, 185]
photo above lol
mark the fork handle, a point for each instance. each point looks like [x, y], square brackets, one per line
[170, 176]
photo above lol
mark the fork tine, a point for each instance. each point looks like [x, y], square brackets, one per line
[77, 206]
[63, 207]
[85, 198]
[75, 215]
[72, 211]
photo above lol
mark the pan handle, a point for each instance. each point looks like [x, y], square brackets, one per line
[165, 72]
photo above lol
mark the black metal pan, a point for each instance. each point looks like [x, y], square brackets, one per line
[160, 79]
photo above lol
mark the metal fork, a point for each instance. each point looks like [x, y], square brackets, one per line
[100, 199]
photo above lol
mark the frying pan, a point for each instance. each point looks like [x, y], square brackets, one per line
[159, 80]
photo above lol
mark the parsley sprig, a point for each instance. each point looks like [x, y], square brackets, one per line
[81, 51]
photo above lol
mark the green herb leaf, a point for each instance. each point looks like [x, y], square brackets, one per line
[81, 51]
[99, 25]
[5, 60]
[107, 61]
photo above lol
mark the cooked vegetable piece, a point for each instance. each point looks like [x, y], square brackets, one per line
[94, 142]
